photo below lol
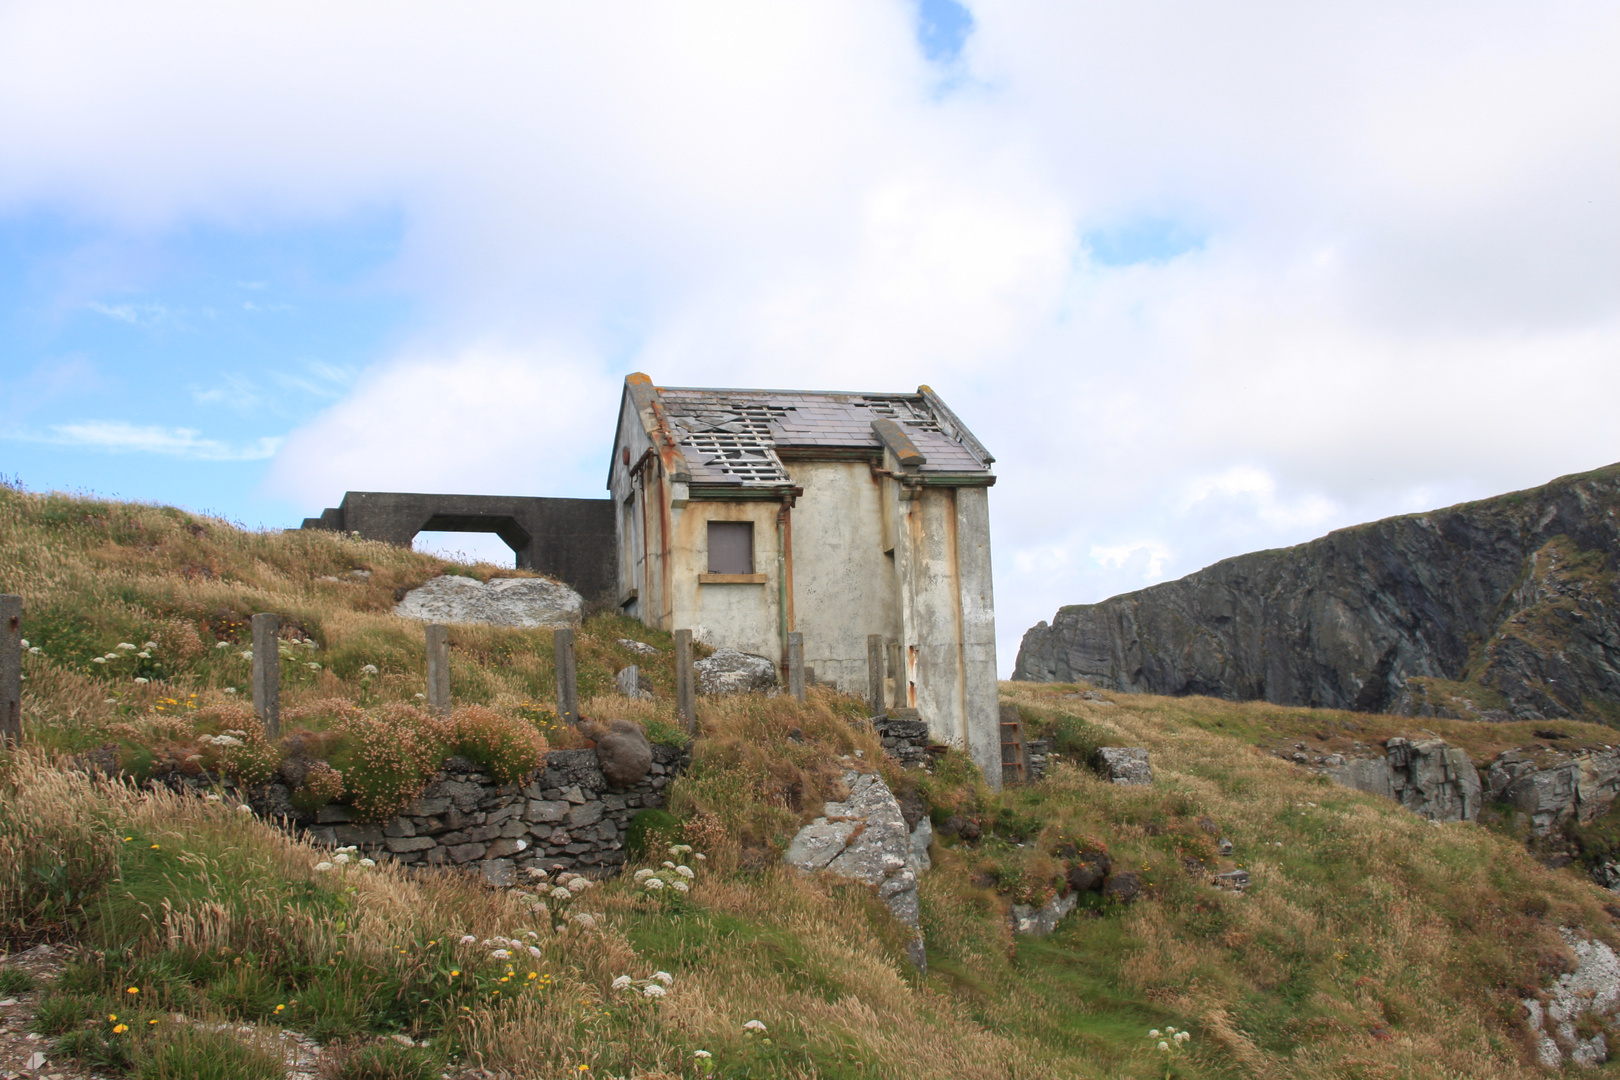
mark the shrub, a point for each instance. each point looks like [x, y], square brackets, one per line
[254, 758]
[96, 1047]
[506, 747]
[385, 757]
[55, 855]
[321, 785]
[651, 831]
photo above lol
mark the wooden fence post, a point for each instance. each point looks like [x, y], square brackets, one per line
[10, 669]
[438, 668]
[267, 672]
[567, 676]
[795, 664]
[874, 673]
[685, 681]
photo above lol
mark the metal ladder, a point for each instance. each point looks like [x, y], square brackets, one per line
[1014, 754]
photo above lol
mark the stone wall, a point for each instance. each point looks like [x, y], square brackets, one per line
[564, 815]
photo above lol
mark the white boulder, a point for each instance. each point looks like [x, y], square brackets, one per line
[520, 602]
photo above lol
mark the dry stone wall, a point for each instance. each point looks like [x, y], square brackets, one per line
[565, 815]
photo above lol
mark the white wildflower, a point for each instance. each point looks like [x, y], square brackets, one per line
[23, 643]
[622, 982]
[561, 893]
[680, 886]
[534, 951]
[227, 740]
[109, 701]
[369, 669]
[421, 697]
[313, 666]
[664, 977]
[1164, 1045]
[700, 857]
[754, 1025]
[685, 872]
[653, 991]
[1154, 1034]
[124, 646]
[247, 654]
[643, 875]
[499, 954]
[230, 690]
[579, 885]
[585, 919]
[368, 862]
[1182, 1036]
[150, 645]
[35, 651]
[211, 797]
[222, 644]
[98, 659]
[653, 884]
[140, 681]
[112, 656]
[468, 939]
[144, 655]
[702, 1054]
[243, 808]
[341, 857]
[668, 865]
[323, 866]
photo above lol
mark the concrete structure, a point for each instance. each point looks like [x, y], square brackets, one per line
[568, 539]
[747, 515]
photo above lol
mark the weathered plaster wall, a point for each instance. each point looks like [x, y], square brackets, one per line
[736, 616]
[844, 584]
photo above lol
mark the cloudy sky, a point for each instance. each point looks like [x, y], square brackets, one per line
[1205, 277]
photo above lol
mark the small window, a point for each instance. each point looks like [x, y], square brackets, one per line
[731, 547]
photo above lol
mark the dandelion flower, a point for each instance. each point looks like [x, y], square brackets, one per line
[754, 1025]
[664, 977]
[685, 872]
[120, 1029]
[133, 990]
[653, 991]
[622, 982]
[323, 866]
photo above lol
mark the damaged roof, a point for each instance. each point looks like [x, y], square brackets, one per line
[742, 436]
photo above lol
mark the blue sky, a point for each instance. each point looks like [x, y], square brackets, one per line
[1205, 280]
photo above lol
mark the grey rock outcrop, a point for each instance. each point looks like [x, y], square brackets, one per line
[1041, 921]
[1526, 580]
[1427, 777]
[521, 602]
[1552, 787]
[1124, 764]
[864, 837]
[729, 671]
[1592, 991]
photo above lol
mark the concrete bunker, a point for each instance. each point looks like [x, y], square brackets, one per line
[572, 540]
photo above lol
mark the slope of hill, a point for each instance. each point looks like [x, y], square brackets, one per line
[1368, 943]
[1508, 604]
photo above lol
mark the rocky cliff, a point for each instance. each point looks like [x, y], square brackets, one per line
[1507, 605]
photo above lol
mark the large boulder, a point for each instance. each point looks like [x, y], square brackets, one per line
[864, 837]
[622, 750]
[522, 602]
[1426, 776]
[729, 671]
[1552, 787]
[1124, 764]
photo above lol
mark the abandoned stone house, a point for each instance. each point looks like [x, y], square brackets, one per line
[744, 515]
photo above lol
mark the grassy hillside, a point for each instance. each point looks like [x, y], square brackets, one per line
[1369, 944]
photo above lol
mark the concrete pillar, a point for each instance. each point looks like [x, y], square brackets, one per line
[10, 669]
[562, 642]
[795, 664]
[267, 672]
[629, 681]
[896, 673]
[874, 673]
[685, 681]
[438, 668]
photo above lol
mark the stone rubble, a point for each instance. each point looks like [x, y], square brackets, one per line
[1591, 990]
[1124, 764]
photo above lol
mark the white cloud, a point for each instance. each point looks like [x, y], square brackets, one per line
[1408, 289]
[117, 436]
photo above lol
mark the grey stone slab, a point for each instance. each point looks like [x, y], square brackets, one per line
[401, 844]
[588, 814]
[462, 853]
